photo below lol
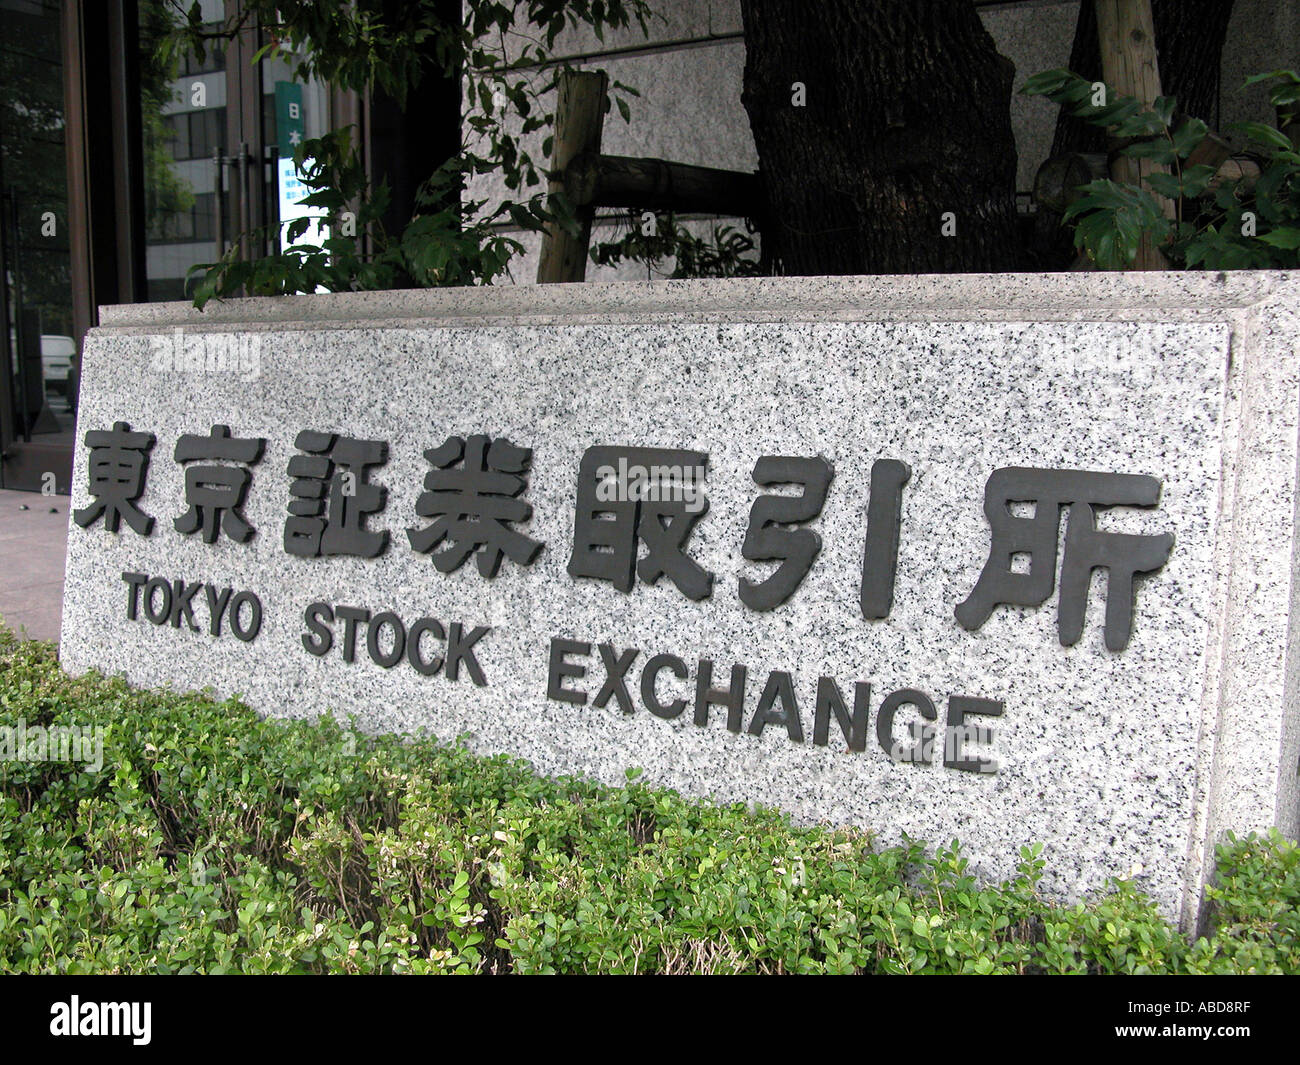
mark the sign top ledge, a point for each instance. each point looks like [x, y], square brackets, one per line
[990, 297]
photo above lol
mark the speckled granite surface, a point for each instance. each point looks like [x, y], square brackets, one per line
[1120, 762]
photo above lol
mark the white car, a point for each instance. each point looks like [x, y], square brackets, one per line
[58, 354]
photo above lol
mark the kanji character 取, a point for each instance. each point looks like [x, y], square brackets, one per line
[639, 494]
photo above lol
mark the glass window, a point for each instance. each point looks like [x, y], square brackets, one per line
[207, 133]
[183, 117]
[38, 375]
[177, 135]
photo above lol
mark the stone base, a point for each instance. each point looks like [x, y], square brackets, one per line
[1124, 762]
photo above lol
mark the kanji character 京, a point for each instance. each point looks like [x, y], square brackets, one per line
[118, 462]
[474, 506]
[215, 493]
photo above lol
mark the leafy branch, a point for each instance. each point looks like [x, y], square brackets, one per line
[722, 256]
[1218, 220]
[503, 56]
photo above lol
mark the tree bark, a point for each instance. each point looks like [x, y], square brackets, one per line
[906, 127]
[1189, 44]
[579, 125]
[1126, 33]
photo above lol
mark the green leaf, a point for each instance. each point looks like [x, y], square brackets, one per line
[1158, 151]
[1196, 179]
[1189, 136]
[1164, 185]
[1264, 134]
[1112, 221]
[1287, 237]
[1048, 82]
[1272, 75]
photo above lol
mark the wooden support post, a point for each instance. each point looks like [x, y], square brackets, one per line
[1240, 168]
[1212, 151]
[1127, 35]
[617, 181]
[579, 120]
[1057, 183]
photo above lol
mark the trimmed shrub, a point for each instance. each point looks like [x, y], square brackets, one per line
[211, 840]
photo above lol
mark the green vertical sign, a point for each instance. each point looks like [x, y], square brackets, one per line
[289, 126]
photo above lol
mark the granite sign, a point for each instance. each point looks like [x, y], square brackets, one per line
[1001, 559]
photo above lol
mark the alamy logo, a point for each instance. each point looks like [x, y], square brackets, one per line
[654, 484]
[233, 353]
[55, 743]
[79, 1018]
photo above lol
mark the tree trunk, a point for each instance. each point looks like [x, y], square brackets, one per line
[1189, 43]
[902, 160]
[408, 140]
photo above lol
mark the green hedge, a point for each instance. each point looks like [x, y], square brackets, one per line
[213, 841]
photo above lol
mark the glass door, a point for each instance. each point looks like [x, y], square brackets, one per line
[38, 367]
[170, 161]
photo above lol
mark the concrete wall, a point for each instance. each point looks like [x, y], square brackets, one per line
[689, 73]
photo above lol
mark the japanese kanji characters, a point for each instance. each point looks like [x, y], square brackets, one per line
[119, 459]
[474, 506]
[332, 498]
[215, 493]
[633, 495]
[880, 555]
[1086, 547]
[636, 509]
[766, 541]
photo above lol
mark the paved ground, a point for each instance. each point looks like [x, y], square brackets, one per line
[32, 545]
